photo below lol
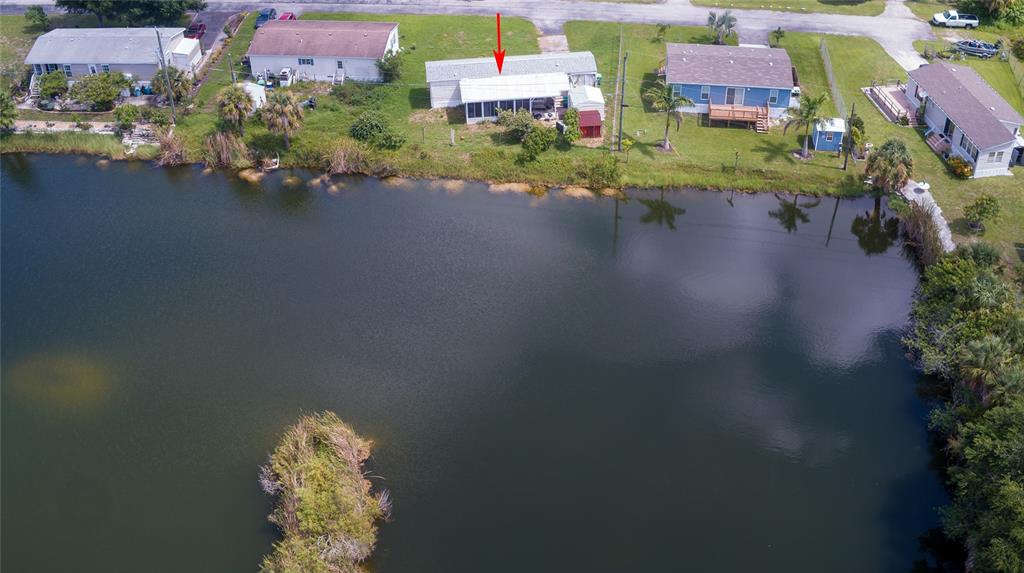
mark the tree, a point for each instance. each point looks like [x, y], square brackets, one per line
[37, 18]
[537, 141]
[126, 116]
[234, 106]
[627, 144]
[517, 124]
[572, 125]
[809, 113]
[983, 361]
[100, 91]
[7, 111]
[283, 115]
[390, 66]
[984, 208]
[662, 31]
[722, 25]
[133, 12]
[778, 34]
[663, 98]
[53, 84]
[890, 166]
[661, 212]
[181, 84]
[601, 172]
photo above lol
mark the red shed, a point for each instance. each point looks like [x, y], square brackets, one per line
[590, 123]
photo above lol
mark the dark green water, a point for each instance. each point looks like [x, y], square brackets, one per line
[729, 395]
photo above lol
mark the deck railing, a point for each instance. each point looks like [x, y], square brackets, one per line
[726, 112]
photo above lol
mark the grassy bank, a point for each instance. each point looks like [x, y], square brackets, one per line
[71, 142]
[855, 7]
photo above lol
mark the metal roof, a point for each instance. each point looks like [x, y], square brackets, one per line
[344, 38]
[586, 94]
[497, 88]
[101, 45]
[835, 124]
[969, 102]
[706, 64]
[564, 62]
[590, 118]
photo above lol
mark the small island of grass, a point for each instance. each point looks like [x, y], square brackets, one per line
[324, 504]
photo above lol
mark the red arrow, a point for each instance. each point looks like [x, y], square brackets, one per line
[499, 54]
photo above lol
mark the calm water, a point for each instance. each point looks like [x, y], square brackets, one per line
[546, 393]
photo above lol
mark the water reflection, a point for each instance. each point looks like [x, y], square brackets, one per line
[790, 214]
[661, 212]
[875, 231]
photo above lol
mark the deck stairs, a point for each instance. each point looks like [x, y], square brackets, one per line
[938, 142]
[33, 85]
[761, 126]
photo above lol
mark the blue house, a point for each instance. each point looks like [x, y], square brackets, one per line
[731, 83]
[828, 134]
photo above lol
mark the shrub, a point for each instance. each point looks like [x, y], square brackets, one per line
[324, 505]
[921, 233]
[537, 141]
[225, 150]
[126, 116]
[369, 125]
[984, 208]
[960, 167]
[157, 117]
[601, 172]
[572, 125]
[1017, 45]
[517, 124]
[359, 94]
[181, 84]
[53, 84]
[99, 91]
[36, 18]
[8, 112]
[904, 120]
[390, 139]
[390, 67]
[857, 121]
[172, 150]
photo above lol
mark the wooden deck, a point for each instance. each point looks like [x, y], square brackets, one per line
[740, 113]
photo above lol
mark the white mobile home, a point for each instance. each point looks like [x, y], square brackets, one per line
[78, 52]
[323, 50]
[533, 82]
[967, 118]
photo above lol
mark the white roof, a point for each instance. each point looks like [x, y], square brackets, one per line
[185, 46]
[476, 68]
[100, 45]
[835, 124]
[497, 88]
[586, 94]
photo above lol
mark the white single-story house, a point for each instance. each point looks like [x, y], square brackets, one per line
[78, 52]
[323, 50]
[535, 82]
[740, 83]
[966, 117]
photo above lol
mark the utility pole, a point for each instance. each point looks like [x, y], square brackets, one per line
[167, 76]
[848, 135]
[231, 66]
[622, 97]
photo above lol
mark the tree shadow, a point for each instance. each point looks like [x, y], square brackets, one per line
[455, 115]
[703, 39]
[960, 227]
[419, 98]
[650, 80]
[661, 212]
[267, 144]
[790, 214]
[775, 150]
[875, 230]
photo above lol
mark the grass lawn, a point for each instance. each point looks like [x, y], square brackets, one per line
[17, 36]
[988, 30]
[220, 72]
[857, 7]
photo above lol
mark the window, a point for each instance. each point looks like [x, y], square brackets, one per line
[829, 136]
[705, 93]
[677, 90]
[473, 110]
[341, 64]
[305, 61]
[995, 157]
[37, 69]
[92, 68]
[773, 97]
[969, 147]
[105, 68]
[51, 68]
[490, 109]
[67, 70]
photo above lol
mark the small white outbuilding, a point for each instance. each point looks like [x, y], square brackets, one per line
[587, 98]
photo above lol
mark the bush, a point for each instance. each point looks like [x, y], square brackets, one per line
[390, 67]
[984, 208]
[8, 112]
[126, 116]
[157, 117]
[390, 139]
[359, 94]
[601, 172]
[517, 124]
[1017, 45]
[52, 85]
[369, 125]
[857, 121]
[572, 125]
[345, 159]
[36, 18]
[959, 167]
[172, 150]
[537, 141]
[324, 506]
[99, 91]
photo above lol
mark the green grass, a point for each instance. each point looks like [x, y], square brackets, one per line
[17, 36]
[856, 7]
[219, 75]
[925, 9]
[70, 142]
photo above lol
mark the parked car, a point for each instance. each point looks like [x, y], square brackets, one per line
[195, 30]
[287, 16]
[953, 19]
[265, 15]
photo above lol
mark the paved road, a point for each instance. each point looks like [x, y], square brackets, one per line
[895, 29]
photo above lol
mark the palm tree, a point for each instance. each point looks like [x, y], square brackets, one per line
[808, 114]
[661, 212]
[983, 361]
[283, 114]
[890, 166]
[722, 25]
[181, 84]
[233, 106]
[663, 98]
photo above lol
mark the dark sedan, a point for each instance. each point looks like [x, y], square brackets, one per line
[266, 15]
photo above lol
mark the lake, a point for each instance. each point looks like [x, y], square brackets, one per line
[709, 382]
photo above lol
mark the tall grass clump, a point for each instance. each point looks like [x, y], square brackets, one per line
[225, 150]
[172, 149]
[324, 508]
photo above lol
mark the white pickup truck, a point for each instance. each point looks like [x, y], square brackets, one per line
[953, 19]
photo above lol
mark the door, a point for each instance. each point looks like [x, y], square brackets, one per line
[947, 129]
[734, 96]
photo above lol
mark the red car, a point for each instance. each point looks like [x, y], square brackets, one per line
[287, 16]
[195, 30]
